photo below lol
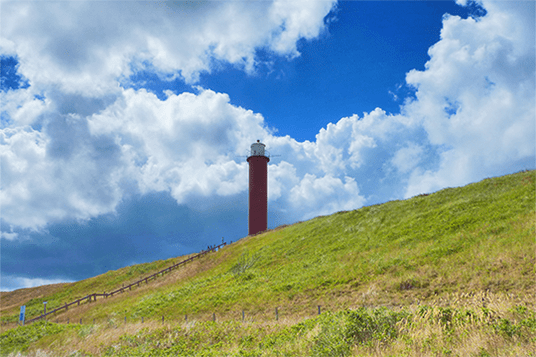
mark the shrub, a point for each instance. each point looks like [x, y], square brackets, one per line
[378, 324]
[332, 339]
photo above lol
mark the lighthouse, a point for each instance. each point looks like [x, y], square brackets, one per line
[258, 189]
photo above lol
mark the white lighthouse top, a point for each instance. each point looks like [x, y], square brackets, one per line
[257, 149]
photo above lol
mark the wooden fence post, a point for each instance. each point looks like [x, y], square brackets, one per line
[243, 316]
[214, 317]
[276, 315]
[319, 309]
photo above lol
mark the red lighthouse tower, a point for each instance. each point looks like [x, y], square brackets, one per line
[258, 189]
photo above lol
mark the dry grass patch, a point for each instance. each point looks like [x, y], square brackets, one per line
[10, 300]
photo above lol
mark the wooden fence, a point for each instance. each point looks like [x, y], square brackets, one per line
[93, 297]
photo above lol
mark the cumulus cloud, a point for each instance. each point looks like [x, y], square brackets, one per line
[324, 195]
[76, 150]
[74, 142]
[184, 144]
[59, 173]
[407, 158]
[476, 96]
[472, 116]
[85, 46]
[187, 144]
[282, 176]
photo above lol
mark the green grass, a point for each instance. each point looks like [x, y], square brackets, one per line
[447, 242]
[19, 339]
[437, 249]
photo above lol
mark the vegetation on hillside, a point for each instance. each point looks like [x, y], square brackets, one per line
[450, 273]
[59, 294]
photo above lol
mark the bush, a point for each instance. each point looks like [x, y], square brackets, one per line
[340, 331]
[332, 339]
[378, 324]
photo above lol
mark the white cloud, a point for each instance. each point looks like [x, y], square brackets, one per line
[10, 283]
[7, 47]
[22, 106]
[188, 144]
[407, 158]
[48, 176]
[297, 19]
[476, 96]
[184, 144]
[191, 144]
[343, 146]
[9, 235]
[320, 196]
[86, 46]
[75, 153]
[281, 177]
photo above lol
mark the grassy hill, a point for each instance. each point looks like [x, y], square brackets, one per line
[450, 273]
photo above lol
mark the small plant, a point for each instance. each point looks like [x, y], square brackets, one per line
[245, 262]
[483, 353]
[506, 328]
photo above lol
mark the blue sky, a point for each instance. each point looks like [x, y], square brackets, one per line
[124, 126]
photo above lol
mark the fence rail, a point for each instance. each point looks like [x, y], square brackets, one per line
[93, 297]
